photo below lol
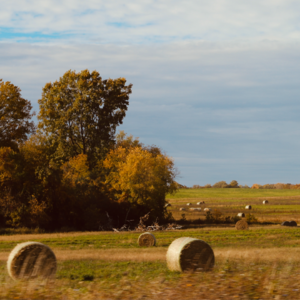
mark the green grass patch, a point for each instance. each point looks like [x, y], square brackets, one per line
[89, 270]
[231, 193]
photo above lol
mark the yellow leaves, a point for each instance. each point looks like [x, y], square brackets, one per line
[140, 173]
[76, 170]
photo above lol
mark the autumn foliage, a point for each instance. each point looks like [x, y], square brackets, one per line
[75, 172]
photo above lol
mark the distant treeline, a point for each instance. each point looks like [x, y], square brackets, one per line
[234, 184]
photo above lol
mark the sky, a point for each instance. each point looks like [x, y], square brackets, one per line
[215, 82]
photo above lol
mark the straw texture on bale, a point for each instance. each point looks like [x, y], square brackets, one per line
[190, 254]
[147, 239]
[248, 207]
[31, 260]
[242, 225]
[241, 215]
[182, 208]
[207, 209]
[265, 202]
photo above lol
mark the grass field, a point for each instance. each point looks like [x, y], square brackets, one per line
[261, 263]
[283, 204]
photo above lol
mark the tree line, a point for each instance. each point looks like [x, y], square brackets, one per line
[235, 184]
[72, 170]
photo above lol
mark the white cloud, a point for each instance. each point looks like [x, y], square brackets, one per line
[161, 21]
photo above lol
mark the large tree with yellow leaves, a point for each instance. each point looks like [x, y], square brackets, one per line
[80, 113]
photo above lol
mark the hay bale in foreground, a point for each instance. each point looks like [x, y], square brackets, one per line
[207, 209]
[241, 215]
[285, 223]
[293, 224]
[31, 260]
[242, 225]
[146, 239]
[248, 207]
[189, 254]
[265, 202]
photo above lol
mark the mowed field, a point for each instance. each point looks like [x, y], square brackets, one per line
[260, 263]
[283, 204]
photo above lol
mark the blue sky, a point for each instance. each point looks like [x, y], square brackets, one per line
[215, 83]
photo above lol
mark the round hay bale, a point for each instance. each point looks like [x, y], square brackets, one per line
[146, 239]
[182, 208]
[199, 203]
[189, 204]
[285, 223]
[207, 209]
[242, 225]
[189, 254]
[248, 207]
[241, 215]
[265, 202]
[168, 204]
[293, 224]
[31, 260]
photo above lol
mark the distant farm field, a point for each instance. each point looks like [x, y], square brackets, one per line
[229, 194]
[283, 204]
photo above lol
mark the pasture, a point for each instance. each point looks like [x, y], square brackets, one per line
[283, 204]
[260, 263]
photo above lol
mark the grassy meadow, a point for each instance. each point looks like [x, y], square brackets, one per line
[283, 204]
[260, 263]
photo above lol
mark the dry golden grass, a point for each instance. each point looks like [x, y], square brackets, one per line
[159, 254]
[28, 237]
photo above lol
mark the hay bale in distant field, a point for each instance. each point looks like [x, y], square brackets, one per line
[168, 204]
[285, 223]
[241, 215]
[182, 208]
[242, 225]
[248, 207]
[31, 260]
[207, 209]
[147, 239]
[201, 202]
[195, 208]
[189, 254]
[189, 204]
[293, 224]
[265, 202]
